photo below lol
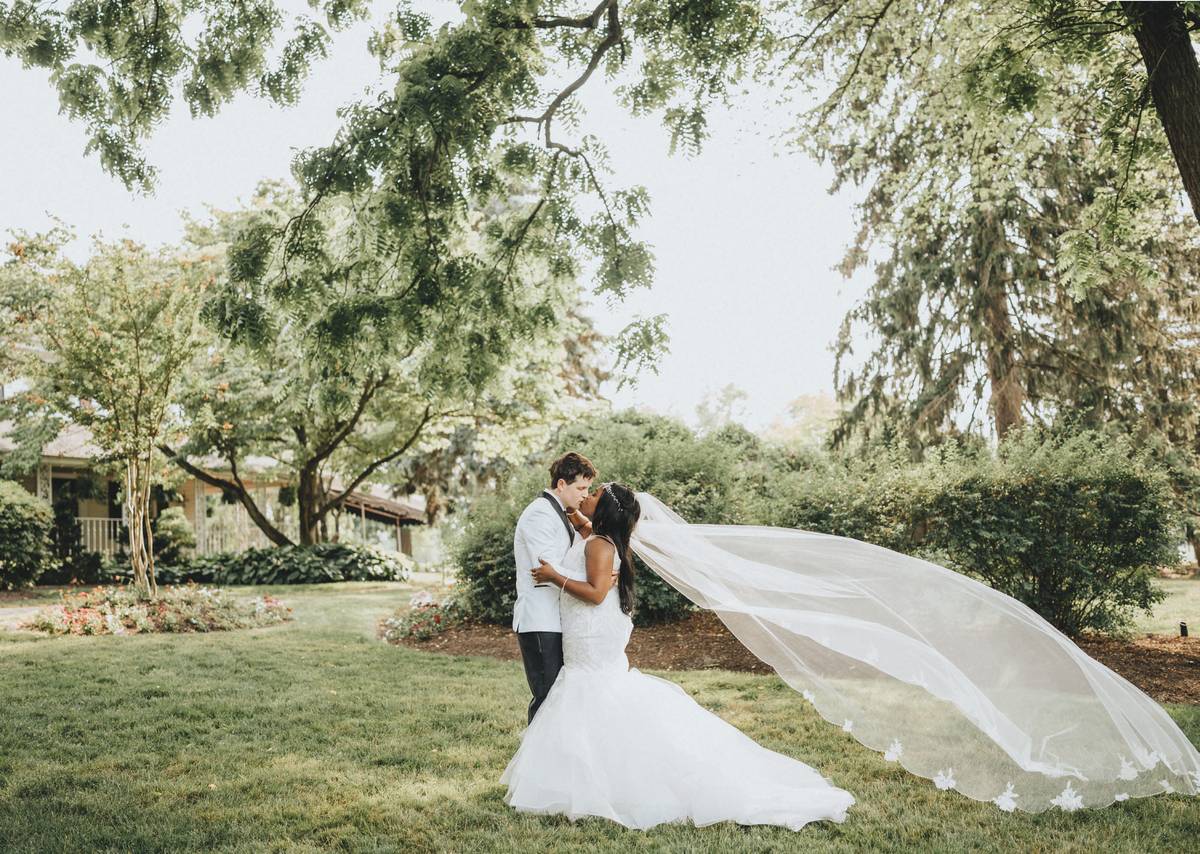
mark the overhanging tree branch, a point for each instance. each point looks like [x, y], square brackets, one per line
[370, 469]
[233, 487]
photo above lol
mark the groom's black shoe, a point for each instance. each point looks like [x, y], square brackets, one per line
[542, 654]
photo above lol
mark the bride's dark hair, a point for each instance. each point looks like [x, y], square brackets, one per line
[615, 517]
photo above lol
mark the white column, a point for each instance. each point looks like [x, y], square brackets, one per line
[199, 516]
[45, 486]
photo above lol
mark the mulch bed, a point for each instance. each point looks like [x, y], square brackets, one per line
[1167, 668]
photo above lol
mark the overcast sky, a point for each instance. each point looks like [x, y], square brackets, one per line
[744, 235]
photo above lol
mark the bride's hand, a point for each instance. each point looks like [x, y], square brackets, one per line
[543, 573]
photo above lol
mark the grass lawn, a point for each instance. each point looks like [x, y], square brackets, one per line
[312, 736]
[1182, 603]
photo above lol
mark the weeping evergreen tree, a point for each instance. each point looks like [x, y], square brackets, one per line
[1032, 249]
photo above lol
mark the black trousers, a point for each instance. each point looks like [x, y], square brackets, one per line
[542, 654]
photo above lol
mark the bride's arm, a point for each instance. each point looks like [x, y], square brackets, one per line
[599, 555]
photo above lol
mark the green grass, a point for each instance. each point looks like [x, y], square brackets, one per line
[312, 736]
[1182, 603]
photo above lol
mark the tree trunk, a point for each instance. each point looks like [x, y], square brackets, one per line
[1008, 394]
[1193, 538]
[1166, 47]
[234, 488]
[1004, 374]
[137, 511]
[308, 501]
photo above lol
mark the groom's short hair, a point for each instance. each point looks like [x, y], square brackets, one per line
[570, 466]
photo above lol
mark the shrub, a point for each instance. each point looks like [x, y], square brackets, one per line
[174, 538]
[315, 564]
[424, 618]
[121, 610]
[483, 555]
[1074, 526]
[26, 538]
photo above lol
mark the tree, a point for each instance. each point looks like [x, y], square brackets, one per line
[334, 364]
[470, 458]
[1163, 33]
[103, 345]
[464, 109]
[1035, 251]
[1021, 51]
[1005, 272]
[720, 409]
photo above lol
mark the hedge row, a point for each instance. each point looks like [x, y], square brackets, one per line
[323, 562]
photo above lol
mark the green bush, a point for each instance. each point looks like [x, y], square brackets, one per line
[174, 538]
[652, 453]
[26, 537]
[316, 564]
[483, 555]
[1075, 527]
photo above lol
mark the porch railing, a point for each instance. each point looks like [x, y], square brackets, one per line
[100, 534]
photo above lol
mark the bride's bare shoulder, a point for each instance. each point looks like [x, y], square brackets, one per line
[599, 545]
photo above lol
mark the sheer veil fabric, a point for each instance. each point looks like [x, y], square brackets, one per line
[957, 682]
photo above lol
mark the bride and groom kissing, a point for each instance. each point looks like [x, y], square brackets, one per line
[960, 683]
[604, 739]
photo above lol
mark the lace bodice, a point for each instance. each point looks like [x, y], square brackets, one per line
[594, 636]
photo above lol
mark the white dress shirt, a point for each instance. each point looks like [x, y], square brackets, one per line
[540, 534]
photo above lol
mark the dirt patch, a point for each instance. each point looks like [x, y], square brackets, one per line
[1167, 668]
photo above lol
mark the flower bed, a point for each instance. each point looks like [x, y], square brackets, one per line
[424, 618]
[190, 608]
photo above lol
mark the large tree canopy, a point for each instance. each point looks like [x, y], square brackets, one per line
[1024, 257]
[464, 113]
[334, 364]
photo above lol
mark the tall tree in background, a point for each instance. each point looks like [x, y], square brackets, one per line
[1033, 252]
[986, 208]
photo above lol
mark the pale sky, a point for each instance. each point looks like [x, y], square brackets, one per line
[744, 235]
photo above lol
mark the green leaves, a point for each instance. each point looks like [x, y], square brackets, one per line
[26, 546]
[142, 57]
[1074, 526]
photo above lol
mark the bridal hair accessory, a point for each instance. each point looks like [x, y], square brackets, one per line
[613, 495]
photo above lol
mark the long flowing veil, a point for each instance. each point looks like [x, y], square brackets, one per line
[956, 681]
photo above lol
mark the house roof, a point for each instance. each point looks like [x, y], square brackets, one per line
[74, 443]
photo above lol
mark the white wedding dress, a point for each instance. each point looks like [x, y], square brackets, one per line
[614, 742]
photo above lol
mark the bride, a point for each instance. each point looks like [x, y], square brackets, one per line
[953, 680]
[611, 741]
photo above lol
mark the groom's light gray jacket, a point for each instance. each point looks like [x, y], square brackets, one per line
[540, 534]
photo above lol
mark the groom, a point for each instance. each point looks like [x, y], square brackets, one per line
[546, 531]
